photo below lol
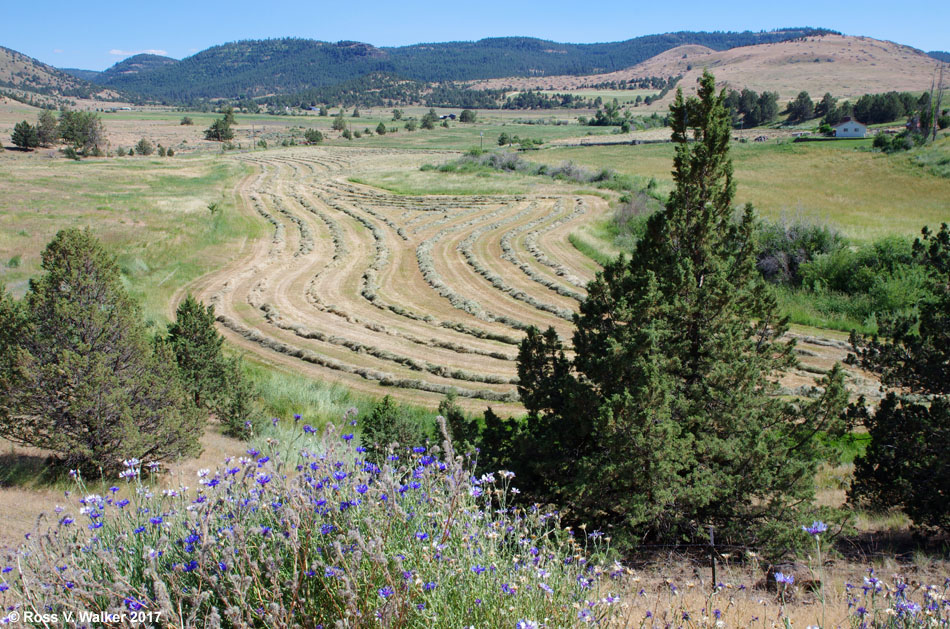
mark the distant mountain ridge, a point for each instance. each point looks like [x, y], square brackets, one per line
[253, 68]
[940, 55]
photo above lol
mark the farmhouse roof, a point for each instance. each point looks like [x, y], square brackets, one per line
[849, 120]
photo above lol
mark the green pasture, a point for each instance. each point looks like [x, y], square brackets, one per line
[862, 193]
[152, 213]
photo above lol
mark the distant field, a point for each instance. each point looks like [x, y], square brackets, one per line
[152, 213]
[864, 194]
[622, 96]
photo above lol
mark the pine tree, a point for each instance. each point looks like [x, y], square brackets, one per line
[86, 382]
[25, 136]
[668, 419]
[46, 127]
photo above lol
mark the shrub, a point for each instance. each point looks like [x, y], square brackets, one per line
[785, 245]
[144, 147]
[313, 136]
[87, 384]
[320, 537]
[381, 129]
[170, 152]
[187, 121]
[390, 422]
[905, 464]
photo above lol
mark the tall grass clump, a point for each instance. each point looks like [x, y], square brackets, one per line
[313, 532]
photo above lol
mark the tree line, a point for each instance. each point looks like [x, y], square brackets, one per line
[82, 131]
[287, 65]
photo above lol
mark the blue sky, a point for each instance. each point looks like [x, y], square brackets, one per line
[96, 35]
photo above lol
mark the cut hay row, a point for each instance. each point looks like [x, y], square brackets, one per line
[404, 292]
[340, 251]
[432, 277]
[466, 248]
[385, 379]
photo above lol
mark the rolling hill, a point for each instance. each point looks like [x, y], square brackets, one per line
[845, 66]
[132, 65]
[274, 66]
[22, 76]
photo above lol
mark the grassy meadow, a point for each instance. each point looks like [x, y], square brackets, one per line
[152, 213]
[861, 193]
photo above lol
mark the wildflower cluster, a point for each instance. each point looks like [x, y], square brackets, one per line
[898, 605]
[314, 536]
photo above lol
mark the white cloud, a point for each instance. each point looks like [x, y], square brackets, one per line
[129, 53]
[57, 50]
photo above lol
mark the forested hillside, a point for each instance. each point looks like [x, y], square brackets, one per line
[20, 73]
[261, 67]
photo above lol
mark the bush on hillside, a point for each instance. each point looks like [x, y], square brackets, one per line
[785, 245]
[214, 383]
[392, 423]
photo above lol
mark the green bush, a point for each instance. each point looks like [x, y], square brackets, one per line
[906, 463]
[785, 245]
[144, 147]
[86, 382]
[390, 422]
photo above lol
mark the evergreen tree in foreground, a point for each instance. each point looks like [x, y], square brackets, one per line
[83, 380]
[668, 419]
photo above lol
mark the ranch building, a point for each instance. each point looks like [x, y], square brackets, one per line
[850, 128]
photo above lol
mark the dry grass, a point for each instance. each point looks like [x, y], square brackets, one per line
[28, 492]
[745, 601]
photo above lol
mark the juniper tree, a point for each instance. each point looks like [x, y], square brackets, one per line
[197, 348]
[668, 419]
[213, 382]
[85, 381]
[906, 463]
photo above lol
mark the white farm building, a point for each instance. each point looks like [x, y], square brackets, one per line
[850, 128]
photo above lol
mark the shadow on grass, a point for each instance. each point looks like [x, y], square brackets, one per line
[19, 469]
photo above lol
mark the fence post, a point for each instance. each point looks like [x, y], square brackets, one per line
[712, 556]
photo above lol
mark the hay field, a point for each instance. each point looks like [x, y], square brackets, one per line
[413, 295]
[152, 213]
